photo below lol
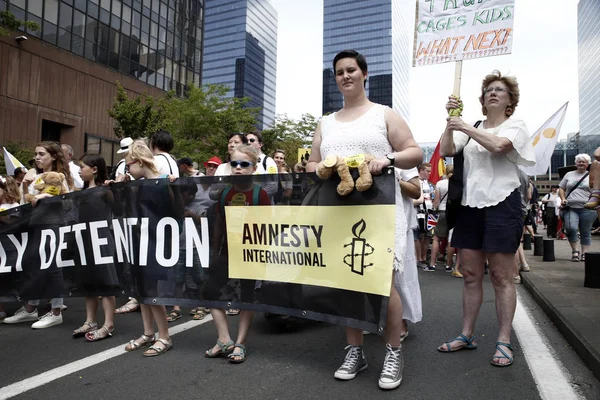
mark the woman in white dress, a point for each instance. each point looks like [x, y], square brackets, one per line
[363, 127]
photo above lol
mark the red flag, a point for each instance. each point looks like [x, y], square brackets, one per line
[438, 166]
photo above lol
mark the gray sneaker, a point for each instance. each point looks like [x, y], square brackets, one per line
[21, 315]
[393, 365]
[354, 363]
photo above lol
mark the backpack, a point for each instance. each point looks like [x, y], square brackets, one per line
[113, 172]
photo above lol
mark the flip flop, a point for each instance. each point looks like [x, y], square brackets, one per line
[504, 355]
[470, 344]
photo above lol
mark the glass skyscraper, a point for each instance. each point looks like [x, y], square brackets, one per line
[379, 30]
[240, 51]
[158, 42]
[589, 69]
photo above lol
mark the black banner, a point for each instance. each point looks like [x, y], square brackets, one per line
[164, 243]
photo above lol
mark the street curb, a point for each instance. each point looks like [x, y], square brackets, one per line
[578, 342]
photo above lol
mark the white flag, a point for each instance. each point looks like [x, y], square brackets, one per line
[544, 141]
[11, 163]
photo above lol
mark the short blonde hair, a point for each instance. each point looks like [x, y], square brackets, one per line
[513, 90]
[249, 151]
[583, 157]
[139, 151]
[449, 169]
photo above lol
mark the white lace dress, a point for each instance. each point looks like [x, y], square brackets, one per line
[365, 135]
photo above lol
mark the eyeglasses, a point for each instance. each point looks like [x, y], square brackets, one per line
[498, 90]
[242, 164]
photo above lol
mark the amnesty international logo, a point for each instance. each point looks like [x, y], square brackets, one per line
[359, 249]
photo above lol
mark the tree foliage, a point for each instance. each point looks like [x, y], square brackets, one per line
[289, 135]
[201, 121]
[20, 150]
[139, 117]
[9, 23]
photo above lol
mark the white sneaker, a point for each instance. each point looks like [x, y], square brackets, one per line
[22, 316]
[48, 320]
[393, 366]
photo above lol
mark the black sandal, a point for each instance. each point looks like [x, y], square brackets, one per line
[575, 256]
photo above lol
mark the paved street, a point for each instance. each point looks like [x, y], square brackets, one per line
[296, 364]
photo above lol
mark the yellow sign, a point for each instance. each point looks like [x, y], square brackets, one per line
[303, 154]
[342, 247]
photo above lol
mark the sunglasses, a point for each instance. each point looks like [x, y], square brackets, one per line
[252, 140]
[243, 164]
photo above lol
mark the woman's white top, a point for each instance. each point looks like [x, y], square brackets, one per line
[490, 178]
[166, 165]
[409, 209]
[366, 135]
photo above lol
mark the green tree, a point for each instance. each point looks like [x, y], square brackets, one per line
[20, 150]
[139, 117]
[289, 135]
[201, 121]
[9, 23]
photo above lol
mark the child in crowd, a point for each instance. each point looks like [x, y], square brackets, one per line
[93, 173]
[242, 193]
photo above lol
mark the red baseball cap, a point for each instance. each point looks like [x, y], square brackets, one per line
[213, 160]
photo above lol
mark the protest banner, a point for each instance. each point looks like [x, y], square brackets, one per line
[178, 243]
[456, 30]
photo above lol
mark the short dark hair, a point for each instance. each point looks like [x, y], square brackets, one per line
[242, 136]
[360, 59]
[257, 134]
[185, 161]
[162, 140]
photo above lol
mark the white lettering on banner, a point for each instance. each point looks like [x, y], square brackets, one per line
[193, 241]
[160, 244]
[98, 242]
[3, 267]
[45, 262]
[77, 229]
[20, 246]
[51, 250]
[121, 240]
[62, 245]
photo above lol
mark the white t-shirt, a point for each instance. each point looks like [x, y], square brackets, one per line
[166, 165]
[442, 187]
[490, 178]
[427, 193]
[409, 210]
[270, 163]
[551, 197]
[74, 169]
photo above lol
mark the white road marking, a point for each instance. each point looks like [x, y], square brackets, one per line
[35, 381]
[550, 377]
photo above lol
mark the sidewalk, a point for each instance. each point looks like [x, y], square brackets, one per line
[575, 310]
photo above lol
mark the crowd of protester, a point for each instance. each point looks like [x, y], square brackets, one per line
[483, 226]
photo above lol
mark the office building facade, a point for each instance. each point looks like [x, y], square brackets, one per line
[381, 31]
[240, 51]
[59, 84]
[589, 69]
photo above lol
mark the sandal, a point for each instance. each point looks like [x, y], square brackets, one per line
[174, 315]
[155, 350]
[193, 311]
[199, 315]
[88, 326]
[583, 257]
[232, 311]
[99, 334]
[575, 256]
[241, 354]
[470, 344]
[504, 355]
[131, 306]
[403, 336]
[224, 349]
[142, 341]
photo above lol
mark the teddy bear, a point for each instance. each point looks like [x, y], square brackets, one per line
[342, 166]
[51, 182]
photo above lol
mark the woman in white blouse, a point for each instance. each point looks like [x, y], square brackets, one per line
[489, 222]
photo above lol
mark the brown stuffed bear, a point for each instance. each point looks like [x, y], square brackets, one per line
[51, 182]
[326, 167]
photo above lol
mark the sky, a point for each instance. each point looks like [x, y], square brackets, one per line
[544, 60]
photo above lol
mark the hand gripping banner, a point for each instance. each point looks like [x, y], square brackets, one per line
[218, 242]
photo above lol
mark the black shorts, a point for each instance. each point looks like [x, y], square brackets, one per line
[495, 229]
[529, 218]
